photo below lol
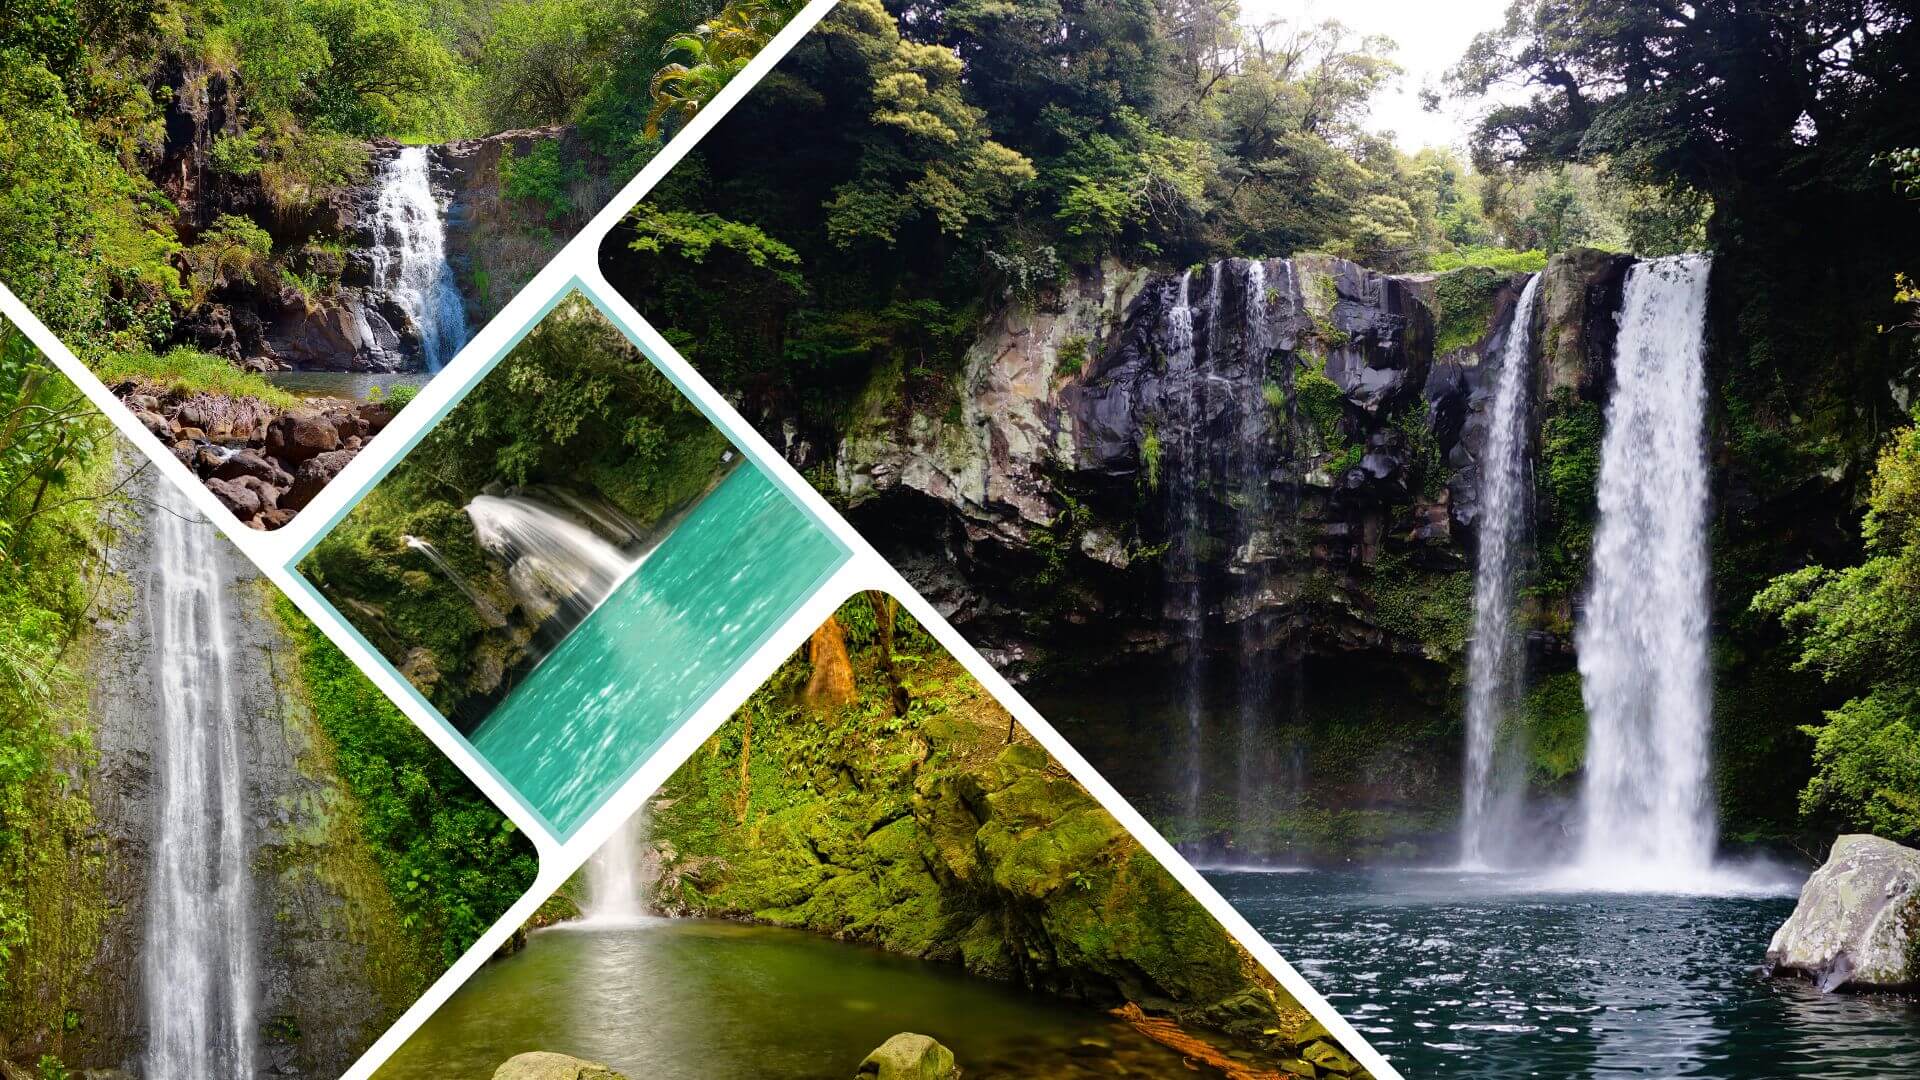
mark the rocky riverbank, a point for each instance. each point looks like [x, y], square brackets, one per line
[263, 463]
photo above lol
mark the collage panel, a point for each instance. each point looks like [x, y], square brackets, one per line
[265, 224]
[1444, 554]
[570, 562]
[871, 869]
[222, 851]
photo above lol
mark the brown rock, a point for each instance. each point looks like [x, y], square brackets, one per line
[312, 475]
[251, 462]
[241, 500]
[296, 437]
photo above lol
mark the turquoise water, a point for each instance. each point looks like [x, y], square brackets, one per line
[629, 675]
[692, 999]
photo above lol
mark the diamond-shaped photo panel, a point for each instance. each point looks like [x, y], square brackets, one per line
[872, 870]
[265, 225]
[223, 852]
[570, 562]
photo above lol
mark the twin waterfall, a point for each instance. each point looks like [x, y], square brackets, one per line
[1645, 818]
[410, 257]
[199, 967]
[1643, 641]
[1494, 658]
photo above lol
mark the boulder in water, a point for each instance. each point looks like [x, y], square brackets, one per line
[542, 1065]
[908, 1056]
[1857, 925]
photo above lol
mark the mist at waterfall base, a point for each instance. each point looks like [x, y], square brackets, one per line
[635, 667]
[1476, 975]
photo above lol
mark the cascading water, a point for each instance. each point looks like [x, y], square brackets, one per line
[1493, 656]
[554, 559]
[614, 893]
[410, 256]
[199, 968]
[1642, 640]
[480, 604]
[1187, 444]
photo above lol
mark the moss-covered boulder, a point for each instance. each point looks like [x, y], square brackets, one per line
[542, 1065]
[908, 1056]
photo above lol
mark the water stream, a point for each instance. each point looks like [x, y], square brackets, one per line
[614, 893]
[199, 964]
[480, 603]
[1647, 818]
[1494, 657]
[410, 256]
[554, 561]
[652, 650]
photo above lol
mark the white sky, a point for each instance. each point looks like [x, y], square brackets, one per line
[1431, 35]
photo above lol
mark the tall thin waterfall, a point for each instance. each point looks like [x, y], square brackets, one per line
[614, 893]
[555, 559]
[1643, 638]
[1185, 526]
[410, 256]
[1494, 657]
[199, 969]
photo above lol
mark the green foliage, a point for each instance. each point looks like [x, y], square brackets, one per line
[1568, 476]
[188, 371]
[1150, 451]
[1505, 260]
[53, 487]
[1123, 180]
[1434, 609]
[357, 67]
[453, 862]
[543, 179]
[1554, 722]
[1860, 627]
[693, 236]
[1072, 355]
[1463, 307]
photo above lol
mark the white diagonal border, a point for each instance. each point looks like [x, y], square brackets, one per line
[577, 266]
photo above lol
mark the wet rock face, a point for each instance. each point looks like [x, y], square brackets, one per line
[1271, 429]
[1857, 925]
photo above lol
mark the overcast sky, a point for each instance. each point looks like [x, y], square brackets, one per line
[1431, 35]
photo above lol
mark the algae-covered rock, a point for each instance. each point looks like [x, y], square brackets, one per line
[542, 1065]
[1857, 925]
[908, 1056]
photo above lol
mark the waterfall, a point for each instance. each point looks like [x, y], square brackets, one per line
[1494, 658]
[1642, 640]
[614, 893]
[410, 256]
[555, 560]
[1185, 443]
[199, 971]
[487, 611]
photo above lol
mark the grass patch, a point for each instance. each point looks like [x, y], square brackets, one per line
[187, 371]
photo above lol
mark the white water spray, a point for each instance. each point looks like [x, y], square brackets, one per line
[1643, 638]
[480, 604]
[199, 969]
[553, 556]
[1493, 656]
[410, 256]
[614, 893]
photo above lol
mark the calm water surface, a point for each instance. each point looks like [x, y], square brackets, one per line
[1491, 977]
[640, 664]
[350, 385]
[692, 999]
